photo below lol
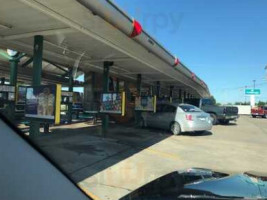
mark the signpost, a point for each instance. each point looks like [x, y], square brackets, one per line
[252, 91]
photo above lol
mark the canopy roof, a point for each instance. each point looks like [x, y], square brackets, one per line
[74, 35]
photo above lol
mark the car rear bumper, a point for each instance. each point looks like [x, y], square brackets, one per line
[257, 114]
[192, 126]
[228, 117]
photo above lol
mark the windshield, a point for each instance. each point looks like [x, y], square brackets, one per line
[119, 93]
[189, 108]
[207, 102]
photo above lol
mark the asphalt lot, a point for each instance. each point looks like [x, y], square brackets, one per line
[126, 158]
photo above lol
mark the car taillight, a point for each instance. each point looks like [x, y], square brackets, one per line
[189, 117]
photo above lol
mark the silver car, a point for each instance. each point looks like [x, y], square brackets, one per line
[178, 118]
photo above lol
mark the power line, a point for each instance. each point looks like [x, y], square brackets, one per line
[243, 87]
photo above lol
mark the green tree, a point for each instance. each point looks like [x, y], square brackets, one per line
[213, 100]
[261, 103]
[238, 103]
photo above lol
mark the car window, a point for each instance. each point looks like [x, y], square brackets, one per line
[189, 108]
[207, 102]
[169, 108]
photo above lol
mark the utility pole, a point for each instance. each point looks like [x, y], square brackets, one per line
[265, 72]
[254, 84]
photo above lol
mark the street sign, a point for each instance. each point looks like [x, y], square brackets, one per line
[252, 91]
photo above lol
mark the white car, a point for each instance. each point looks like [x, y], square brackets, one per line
[178, 118]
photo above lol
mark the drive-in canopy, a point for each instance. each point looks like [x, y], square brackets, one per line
[85, 35]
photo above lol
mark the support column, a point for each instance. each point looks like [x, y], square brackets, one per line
[139, 84]
[14, 60]
[89, 88]
[93, 106]
[70, 90]
[152, 90]
[188, 96]
[138, 87]
[157, 89]
[180, 95]
[105, 119]
[13, 81]
[13, 71]
[171, 94]
[3, 81]
[117, 85]
[37, 72]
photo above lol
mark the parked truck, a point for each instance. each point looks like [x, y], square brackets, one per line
[219, 114]
[260, 111]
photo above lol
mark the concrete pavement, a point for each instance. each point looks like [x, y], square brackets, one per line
[126, 158]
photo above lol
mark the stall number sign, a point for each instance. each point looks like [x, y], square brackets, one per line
[252, 91]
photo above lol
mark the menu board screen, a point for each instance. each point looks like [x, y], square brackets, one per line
[111, 103]
[40, 102]
[144, 103]
[21, 98]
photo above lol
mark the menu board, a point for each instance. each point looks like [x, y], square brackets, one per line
[7, 93]
[77, 97]
[113, 103]
[145, 103]
[66, 97]
[7, 88]
[11, 96]
[42, 102]
[21, 94]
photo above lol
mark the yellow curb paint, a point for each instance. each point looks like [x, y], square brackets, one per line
[91, 195]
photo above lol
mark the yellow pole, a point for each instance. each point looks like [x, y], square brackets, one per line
[123, 103]
[57, 104]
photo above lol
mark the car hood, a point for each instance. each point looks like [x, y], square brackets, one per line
[203, 183]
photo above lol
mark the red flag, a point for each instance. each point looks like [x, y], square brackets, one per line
[176, 62]
[137, 29]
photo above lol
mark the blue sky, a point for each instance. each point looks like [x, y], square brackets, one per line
[223, 42]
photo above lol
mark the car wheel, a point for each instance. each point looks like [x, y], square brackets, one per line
[226, 122]
[176, 128]
[265, 116]
[200, 132]
[253, 116]
[214, 120]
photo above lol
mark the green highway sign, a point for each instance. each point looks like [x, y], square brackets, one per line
[252, 91]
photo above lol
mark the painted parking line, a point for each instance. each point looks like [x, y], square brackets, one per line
[162, 154]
